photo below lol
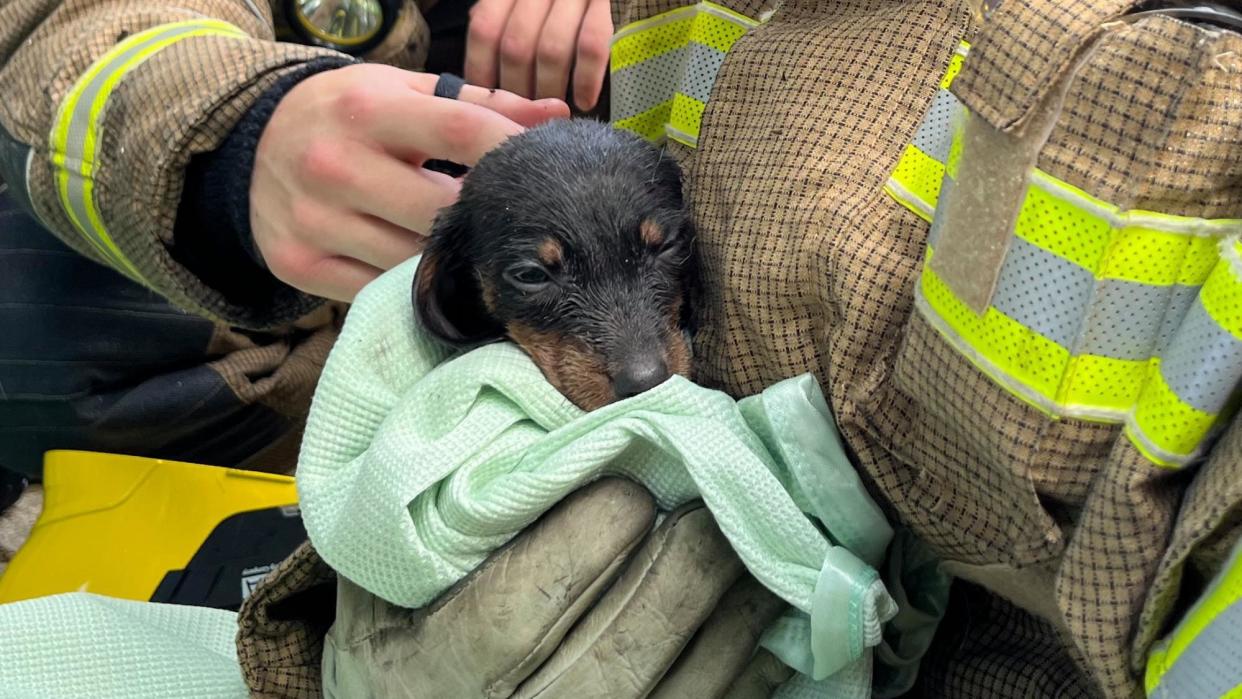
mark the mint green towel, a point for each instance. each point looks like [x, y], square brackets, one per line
[79, 645]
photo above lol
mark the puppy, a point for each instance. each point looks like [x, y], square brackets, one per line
[573, 241]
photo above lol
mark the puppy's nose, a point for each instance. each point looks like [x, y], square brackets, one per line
[639, 375]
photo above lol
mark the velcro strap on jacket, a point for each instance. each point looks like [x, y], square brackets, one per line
[1123, 316]
[76, 135]
[663, 69]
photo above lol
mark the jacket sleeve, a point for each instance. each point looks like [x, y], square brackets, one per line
[106, 102]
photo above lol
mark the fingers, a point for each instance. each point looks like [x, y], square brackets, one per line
[393, 191]
[528, 47]
[592, 61]
[336, 278]
[374, 241]
[761, 677]
[724, 644]
[412, 125]
[492, 630]
[517, 46]
[627, 642]
[487, 25]
[526, 112]
[555, 53]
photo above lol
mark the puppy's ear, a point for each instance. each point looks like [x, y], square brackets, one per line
[691, 280]
[447, 297]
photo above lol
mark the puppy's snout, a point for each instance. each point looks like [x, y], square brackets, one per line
[640, 374]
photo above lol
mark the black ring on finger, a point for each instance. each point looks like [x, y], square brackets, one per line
[448, 86]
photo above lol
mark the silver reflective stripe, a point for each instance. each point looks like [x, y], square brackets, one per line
[1126, 318]
[682, 136]
[646, 84]
[899, 190]
[690, 70]
[80, 121]
[1211, 665]
[1044, 292]
[700, 72]
[935, 134]
[1118, 319]
[1179, 306]
[1203, 364]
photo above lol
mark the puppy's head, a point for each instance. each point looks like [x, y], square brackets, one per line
[572, 240]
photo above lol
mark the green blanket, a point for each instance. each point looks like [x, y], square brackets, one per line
[80, 645]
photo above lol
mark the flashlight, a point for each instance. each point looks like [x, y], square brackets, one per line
[349, 26]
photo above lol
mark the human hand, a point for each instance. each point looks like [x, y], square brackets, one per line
[586, 602]
[529, 46]
[339, 192]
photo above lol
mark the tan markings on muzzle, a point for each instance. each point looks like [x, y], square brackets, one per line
[676, 353]
[569, 365]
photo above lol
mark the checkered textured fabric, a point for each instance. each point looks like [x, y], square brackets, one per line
[281, 628]
[987, 647]
[1209, 524]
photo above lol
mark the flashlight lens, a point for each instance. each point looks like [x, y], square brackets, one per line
[340, 22]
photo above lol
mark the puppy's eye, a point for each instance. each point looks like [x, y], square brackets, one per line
[528, 277]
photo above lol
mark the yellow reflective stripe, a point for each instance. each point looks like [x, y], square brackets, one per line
[649, 124]
[1044, 375]
[1163, 428]
[75, 132]
[1102, 388]
[667, 64]
[1157, 257]
[915, 182]
[955, 66]
[651, 37]
[1140, 246]
[1044, 221]
[719, 27]
[1224, 592]
[920, 176]
[1027, 362]
[683, 123]
[1222, 291]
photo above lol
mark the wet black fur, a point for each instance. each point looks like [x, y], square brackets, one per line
[589, 187]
